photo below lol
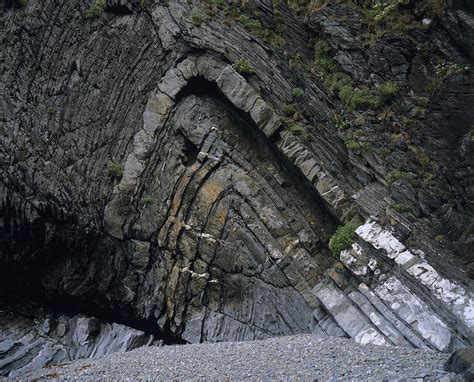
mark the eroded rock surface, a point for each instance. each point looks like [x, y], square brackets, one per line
[31, 339]
[142, 176]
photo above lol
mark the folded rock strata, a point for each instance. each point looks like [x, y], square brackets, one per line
[143, 177]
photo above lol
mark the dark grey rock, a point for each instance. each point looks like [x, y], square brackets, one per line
[462, 362]
[142, 176]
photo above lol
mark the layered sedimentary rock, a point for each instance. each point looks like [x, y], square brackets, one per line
[31, 338]
[144, 179]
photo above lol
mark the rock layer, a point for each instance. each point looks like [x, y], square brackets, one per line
[143, 176]
[32, 339]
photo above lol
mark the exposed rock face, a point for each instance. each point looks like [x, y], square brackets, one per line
[462, 362]
[31, 340]
[142, 175]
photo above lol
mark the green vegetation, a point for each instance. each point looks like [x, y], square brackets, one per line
[298, 129]
[395, 175]
[297, 93]
[387, 90]
[289, 110]
[443, 71]
[340, 84]
[358, 98]
[115, 170]
[96, 9]
[197, 18]
[147, 200]
[243, 67]
[20, 4]
[383, 16]
[470, 134]
[342, 238]
[401, 208]
[233, 13]
[146, 4]
[353, 145]
[21, 155]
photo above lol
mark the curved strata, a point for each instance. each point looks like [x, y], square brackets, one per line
[148, 183]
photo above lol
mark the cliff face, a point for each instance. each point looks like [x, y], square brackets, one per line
[181, 168]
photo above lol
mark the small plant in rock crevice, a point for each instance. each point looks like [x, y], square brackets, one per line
[197, 19]
[342, 238]
[20, 3]
[387, 90]
[443, 71]
[96, 9]
[243, 67]
[297, 93]
[146, 4]
[115, 170]
[395, 175]
[401, 208]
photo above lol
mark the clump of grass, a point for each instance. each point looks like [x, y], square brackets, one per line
[395, 175]
[340, 84]
[401, 208]
[146, 4]
[115, 170]
[243, 67]
[20, 3]
[387, 90]
[289, 110]
[298, 129]
[147, 200]
[443, 71]
[197, 19]
[96, 9]
[358, 98]
[21, 155]
[470, 134]
[342, 238]
[256, 28]
[297, 93]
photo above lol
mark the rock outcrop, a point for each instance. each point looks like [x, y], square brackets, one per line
[185, 165]
[31, 339]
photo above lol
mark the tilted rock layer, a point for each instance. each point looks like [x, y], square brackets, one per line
[142, 174]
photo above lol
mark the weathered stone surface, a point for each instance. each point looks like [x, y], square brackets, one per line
[462, 362]
[32, 341]
[140, 174]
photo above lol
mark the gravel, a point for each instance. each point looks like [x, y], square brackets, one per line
[285, 358]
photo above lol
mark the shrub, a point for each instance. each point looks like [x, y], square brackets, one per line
[342, 238]
[355, 98]
[147, 200]
[443, 71]
[387, 90]
[20, 3]
[96, 9]
[243, 67]
[146, 4]
[298, 93]
[289, 110]
[115, 170]
[470, 134]
[297, 129]
[395, 175]
[401, 208]
[249, 23]
[197, 18]
[354, 145]
[21, 155]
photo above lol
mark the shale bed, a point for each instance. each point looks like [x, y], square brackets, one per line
[302, 357]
